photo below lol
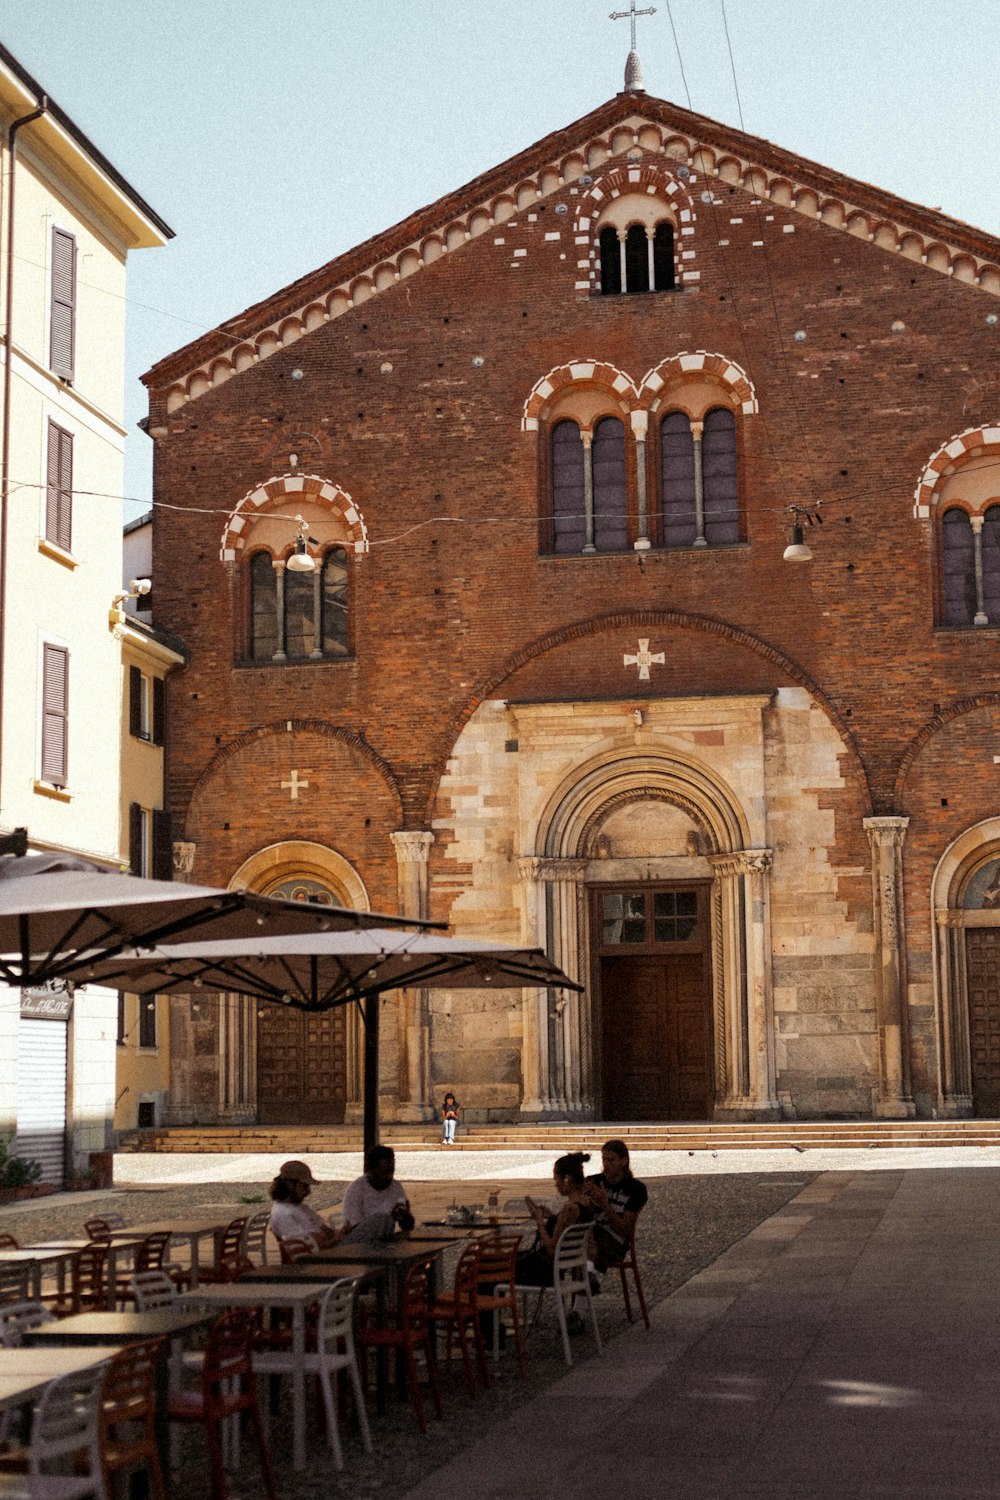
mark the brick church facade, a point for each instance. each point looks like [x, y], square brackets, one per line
[552, 679]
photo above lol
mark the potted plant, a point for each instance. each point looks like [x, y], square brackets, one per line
[20, 1177]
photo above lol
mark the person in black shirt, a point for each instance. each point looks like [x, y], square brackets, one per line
[618, 1199]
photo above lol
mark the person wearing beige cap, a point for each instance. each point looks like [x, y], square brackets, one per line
[291, 1217]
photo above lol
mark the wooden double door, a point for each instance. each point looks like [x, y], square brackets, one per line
[656, 1053]
[301, 1067]
[982, 959]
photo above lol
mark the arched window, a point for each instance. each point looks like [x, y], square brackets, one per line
[663, 257]
[568, 522]
[610, 496]
[298, 616]
[700, 490]
[958, 569]
[611, 262]
[637, 259]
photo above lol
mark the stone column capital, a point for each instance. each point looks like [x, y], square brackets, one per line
[885, 831]
[411, 846]
[742, 862]
[640, 424]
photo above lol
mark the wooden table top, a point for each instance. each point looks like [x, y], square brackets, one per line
[389, 1253]
[36, 1254]
[119, 1327]
[270, 1293]
[306, 1271]
[24, 1373]
[197, 1223]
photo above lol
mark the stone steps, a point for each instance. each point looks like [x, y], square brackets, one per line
[563, 1136]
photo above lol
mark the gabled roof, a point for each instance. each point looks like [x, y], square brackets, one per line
[22, 93]
[558, 160]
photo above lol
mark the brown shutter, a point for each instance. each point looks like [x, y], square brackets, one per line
[159, 710]
[59, 487]
[135, 838]
[62, 340]
[134, 701]
[163, 846]
[55, 714]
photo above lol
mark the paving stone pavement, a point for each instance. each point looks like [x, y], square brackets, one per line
[846, 1348]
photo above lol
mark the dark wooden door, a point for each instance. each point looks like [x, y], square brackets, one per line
[301, 1067]
[982, 957]
[656, 1039]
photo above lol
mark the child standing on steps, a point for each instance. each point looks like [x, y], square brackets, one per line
[449, 1119]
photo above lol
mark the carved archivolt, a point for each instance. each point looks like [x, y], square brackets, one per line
[566, 172]
[306, 488]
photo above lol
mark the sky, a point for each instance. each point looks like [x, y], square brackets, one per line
[273, 135]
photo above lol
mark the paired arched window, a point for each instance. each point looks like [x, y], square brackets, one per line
[699, 481]
[970, 567]
[589, 487]
[298, 616]
[637, 259]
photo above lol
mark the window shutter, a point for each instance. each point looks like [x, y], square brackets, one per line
[62, 339]
[163, 846]
[55, 714]
[135, 838]
[134, 700]
[59, 487]
[147, 1021]
[159, 709]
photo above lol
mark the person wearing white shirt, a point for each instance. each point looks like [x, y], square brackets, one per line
[291, 1217]
[375, 1205]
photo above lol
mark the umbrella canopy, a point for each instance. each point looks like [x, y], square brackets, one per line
[317, 971]
[60, 917]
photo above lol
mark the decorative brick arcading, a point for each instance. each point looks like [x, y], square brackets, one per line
[577, 372]
[277, 491]
[643, 177]
[648, 394]
[701, 362]
[952, 456]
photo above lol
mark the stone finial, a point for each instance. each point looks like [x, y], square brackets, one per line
[635, 82]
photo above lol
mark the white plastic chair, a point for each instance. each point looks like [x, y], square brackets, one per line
[64, 1428]
[152, 1289]
[570, 1279]
[15, 1317]
[334, 1351]
[253, 1245]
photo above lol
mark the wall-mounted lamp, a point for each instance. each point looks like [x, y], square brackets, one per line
[138, 589]
[300, 560]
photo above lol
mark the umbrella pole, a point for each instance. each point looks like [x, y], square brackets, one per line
[371, 1072]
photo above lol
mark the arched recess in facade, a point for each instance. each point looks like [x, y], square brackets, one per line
[297, 870]
[560, 1059]
[965, 898]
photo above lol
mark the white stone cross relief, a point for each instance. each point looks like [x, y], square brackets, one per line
[645, 659]
[294, 784]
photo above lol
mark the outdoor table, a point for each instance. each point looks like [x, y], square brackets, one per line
[116, 1253]
[25, 1373]
[194, 1228]
[35, 1259]
[118, 1328]
[287, 1293]
[323, 1275]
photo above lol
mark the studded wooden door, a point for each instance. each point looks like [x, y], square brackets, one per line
[301, 1067]
[656, 1042]
[982, 957]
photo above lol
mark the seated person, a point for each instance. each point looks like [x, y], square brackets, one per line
[450, 1110]
[618, 1198]
[291, 1217]
[534, 1266]
[375, 1204]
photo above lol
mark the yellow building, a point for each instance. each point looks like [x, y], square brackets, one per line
[69, 221]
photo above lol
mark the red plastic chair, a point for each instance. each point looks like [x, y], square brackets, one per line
[497, 1271]
[87, 1291]
[626, 1264]
[126, 1418]
[231, 1261]
[293, 1250]
[409, 1332]
[149, 1255]
[227, 1389]
[458, 1311]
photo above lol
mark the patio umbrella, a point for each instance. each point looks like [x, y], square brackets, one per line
[61, 916]
[318, 971]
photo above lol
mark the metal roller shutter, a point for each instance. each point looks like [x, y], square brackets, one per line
[41, 1097]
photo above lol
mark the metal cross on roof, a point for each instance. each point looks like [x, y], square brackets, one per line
[630, 15]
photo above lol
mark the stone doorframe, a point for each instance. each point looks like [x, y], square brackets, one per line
[974, 848]
[558, 1056]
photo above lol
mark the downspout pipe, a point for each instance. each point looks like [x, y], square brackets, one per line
[12, 134]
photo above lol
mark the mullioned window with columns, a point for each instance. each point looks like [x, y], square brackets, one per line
[626, 468]
[959, 492]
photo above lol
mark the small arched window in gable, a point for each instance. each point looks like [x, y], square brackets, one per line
[970, 567]
[610, 530]
[611, 262]
[699, 479]
[568, 528]
[663, 257]
[297, 616]
[639, 258]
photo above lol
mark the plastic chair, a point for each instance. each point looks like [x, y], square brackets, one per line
[570, 1279]
[15, 1317]
[334, 1351]
[293, 1250]
[411, 1331]
[13, 1284]
[253, 1245]
[227, 1389]
[126, 1424]
[100, 1228]
[149, 1255]
[64, 1432]
[87, 1290]
[152, 1289]
[458, 1311]
[629, 1263]
[497, 1259]
[230, 1262]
